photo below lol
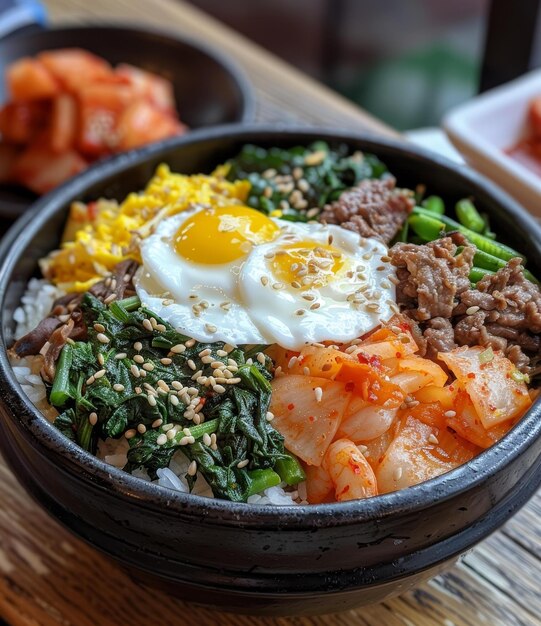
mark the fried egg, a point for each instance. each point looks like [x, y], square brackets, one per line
[233, 274]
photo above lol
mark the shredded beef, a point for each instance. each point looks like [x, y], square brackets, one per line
[431, 277]
[53, 349]
[508, 317]
[374, 208]
[503, 311]
[34, 341]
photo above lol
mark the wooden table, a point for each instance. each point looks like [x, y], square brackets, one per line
[48, 577]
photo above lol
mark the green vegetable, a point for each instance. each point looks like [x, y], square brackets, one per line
[428, 228]
[468, 216]
[60, 391]
[299, 181]
[434, 204]
[262, 479]
[290, 470]
[482, 243]
[476, 273]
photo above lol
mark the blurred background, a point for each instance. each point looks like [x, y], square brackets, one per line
[406, 62]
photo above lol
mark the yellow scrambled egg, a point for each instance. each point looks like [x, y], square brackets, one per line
[102, 234]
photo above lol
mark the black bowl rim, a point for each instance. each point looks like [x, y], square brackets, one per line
[223, 512]
[222, 59]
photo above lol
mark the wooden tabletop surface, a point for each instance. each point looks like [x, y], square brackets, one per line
[48, 577]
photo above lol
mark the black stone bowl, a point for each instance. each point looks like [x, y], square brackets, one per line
[287, 560]
[209, 88]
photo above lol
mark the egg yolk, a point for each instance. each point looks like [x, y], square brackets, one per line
[223, 234]
[307, 264]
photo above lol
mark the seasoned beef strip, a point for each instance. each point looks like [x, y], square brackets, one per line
[503, 311]
[431, 277]
[374, 208]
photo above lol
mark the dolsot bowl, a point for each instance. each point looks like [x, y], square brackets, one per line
[255, 559]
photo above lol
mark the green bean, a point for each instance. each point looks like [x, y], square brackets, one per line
[468, 216]
[130, 304]
[476, 273]
[482, 243]
[428, 228]
[262, 479]
[289, 469]
[60, 391]
[434, 204]
[205, 428]
[487, 261]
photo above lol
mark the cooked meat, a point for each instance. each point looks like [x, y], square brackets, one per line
[375, 208]
[439, 336]
[503, 311]
[506, 314]
[431, 277]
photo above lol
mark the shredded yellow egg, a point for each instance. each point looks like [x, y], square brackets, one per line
[102, 234]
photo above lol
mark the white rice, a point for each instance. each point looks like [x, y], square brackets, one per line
[36, 304]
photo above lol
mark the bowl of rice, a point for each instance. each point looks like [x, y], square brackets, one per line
[274, 370]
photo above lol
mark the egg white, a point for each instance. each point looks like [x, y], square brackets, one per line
[242, 307]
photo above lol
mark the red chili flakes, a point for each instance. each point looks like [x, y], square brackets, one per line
[344, 490]
[471, 375]
[372, 360]
[291, 406]
[350, 386]
[398, 355]
[311, 418]
[355, 466]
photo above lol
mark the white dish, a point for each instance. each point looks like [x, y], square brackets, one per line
[483, 128]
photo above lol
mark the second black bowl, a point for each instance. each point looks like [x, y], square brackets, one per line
[209, 88]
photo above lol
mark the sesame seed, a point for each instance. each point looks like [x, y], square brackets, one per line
[218, 389]
[120, 355]
[450, 413]
[210, 328]
[93, 418]
[161, 328]
[261, 358]
[171, 434]
[206, 439]
[101, 359]
[102, 338]
[129, 434]
[110, 298]
[138, 358]
[190, 343]
[207, 359]
[167, 427]
[184, 441]
[233, 381]
[471, 310]
[192, 468]
[118, 387]
[142, 373]
[192, 365]
[138, 390]
[176, 384]
[264, 280]
[315, 306]
[300, 312]
[269, 416]
[178, 349]
[318, 392]
[205, 352]
[296, 284]
[292, 361]
[151, 400]
[157, 423]
[397, 475]
[216, 364]
[99, 328]
[433, 439]
[243, 463]
[147, 324]
[163, 385]
[149, 367]
[142, 429]
[90, 380]
[161, 439]
[221, 352]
